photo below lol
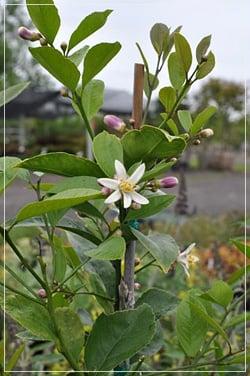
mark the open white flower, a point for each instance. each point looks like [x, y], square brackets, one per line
[124, 186]
[186, 259]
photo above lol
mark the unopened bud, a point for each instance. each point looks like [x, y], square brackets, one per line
[137, 286]
[41, 293]
[132, 122]
[64, 46]
[173, 160]
[27, 34]
[137, 261]
[43, 42]
[135, 205]
[106, 191]
[114, 123]
[64, 92]
[168, 182]
[205, 133]
[196, 142]
[118, 232]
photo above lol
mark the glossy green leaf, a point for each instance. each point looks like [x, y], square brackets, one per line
[92, 97]
[107, 149]
[78, 56]
[159, 300]
[44, 17]
[62, 200]
[97, 58]
[111, 249]
[167, 97]
[150, 83]
[56, 64]
[118, 337]
[88, 26]
[8, 172]
[191, 329]
[75, 182]
[71, 331]
[59, 260]
[96, 284]
[220, 293]
[12, 92]
[62, 164]
[206, 67]
[173, 127]
[185, 119]
[183, 51]
[159, 35]
[150, 143]
[159, 169]
[155, 205]
[162, 247]
[89, 210]
[176, 72]
[156, 343]
[24, 311]
[202, 48]
[11, 363]
[202, 118]
[145, 62]
[243, 248]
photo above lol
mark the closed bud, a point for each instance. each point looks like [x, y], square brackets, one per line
[205, 133]
[196, 142]
[27, 34]
[135, 206]
[168, 182]
[132, 122]
[173, 160]
[42, 293]
[64, 46]
[137, 286]
[114, 123]
[64, 92]
[43, 42]
[137, 261]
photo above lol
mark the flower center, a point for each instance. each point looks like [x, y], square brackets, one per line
[126, 186]
[192, 259]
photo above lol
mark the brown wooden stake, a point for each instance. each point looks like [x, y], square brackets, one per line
[127, 299]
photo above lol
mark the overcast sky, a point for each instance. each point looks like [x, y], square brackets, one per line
[226, 20]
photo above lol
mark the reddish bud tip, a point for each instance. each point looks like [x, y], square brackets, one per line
[41, 293]
[168, 182]
[106, 191]
[27, 34]
[114, 123]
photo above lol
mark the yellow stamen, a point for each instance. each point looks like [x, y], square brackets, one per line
[126, 186]
[192, 259]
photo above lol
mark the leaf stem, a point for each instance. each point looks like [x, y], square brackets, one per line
[84, 116]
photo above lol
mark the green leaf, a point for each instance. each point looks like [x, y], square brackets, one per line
[238, 274]
[220, 293]
[24, 311]
[62, 164]
[44, 17]
[92, 97]
[75, 182]
[118, 337]
[107, 148]
[71, 331]
[97, 58]
[62, 200]
[88, 26]
[96, 284]
[173, 127]
[237, 320]
[202, 48]
[150, 80]
[14, 358]
[143, 57]
[111, 249]
[12, 92]
[191, 329]
[202, 118]
[176, 72]
[243, 248]
[162, 247]
[159, 35]
[159, 169]
[56, 64]
[185, 119]
[78, 56]
[167, 97]
[206, 67]
[159, 300]
[155, 205]
[89, 210]
[59, 259]
[156, 343]
[8, 172]
[183, 51]
[150, 143]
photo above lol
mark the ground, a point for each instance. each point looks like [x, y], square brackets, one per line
[209, 193]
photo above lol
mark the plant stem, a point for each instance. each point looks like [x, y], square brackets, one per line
[21, 293]
[145, 266]
[84, 116]
[129, 273]
[117, 266]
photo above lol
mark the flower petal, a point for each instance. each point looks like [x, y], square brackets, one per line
[120, 170]
[109, 183]
[115, 196]
[139, 198]
[137, 174]
[127, 200]
[188, 250]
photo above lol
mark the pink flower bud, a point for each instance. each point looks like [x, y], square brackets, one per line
[27, 34]
[106, 191]
[41, 293]
[114, 122]
[168, 182]
[137, 286]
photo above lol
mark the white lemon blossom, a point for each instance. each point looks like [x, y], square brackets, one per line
[124, 186]
[186, 259]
